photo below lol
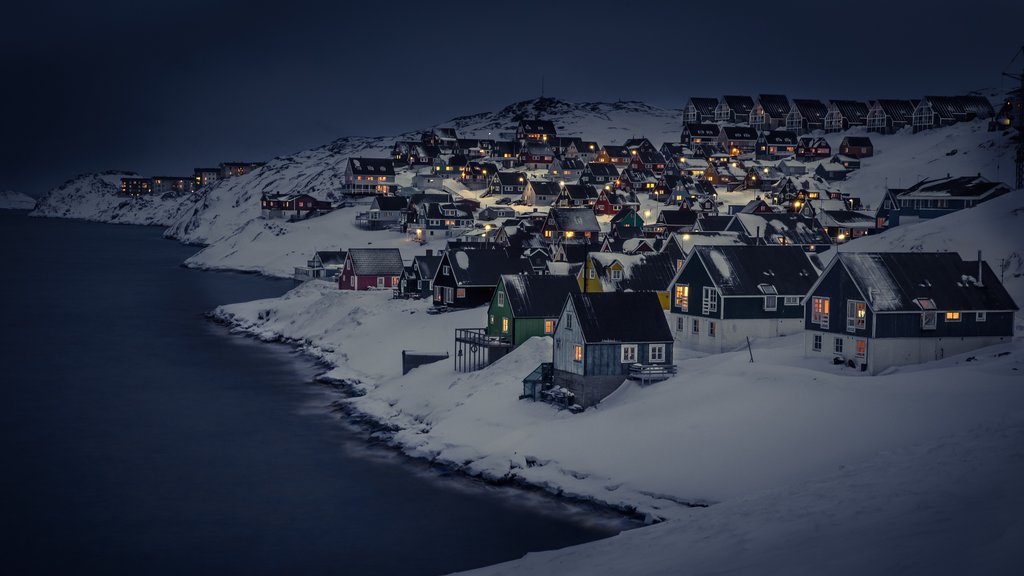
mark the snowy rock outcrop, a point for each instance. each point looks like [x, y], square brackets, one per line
[11, 200]
[98, 197]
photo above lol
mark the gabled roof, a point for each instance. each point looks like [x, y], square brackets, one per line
[794, 228]
[859, 141]
[389, 203]
[511, 178]
[678, 217]
[898, 110]
[483, 267]
[740, 105]
[892, 281]
[852, 110]
[580, 191]
[376, 261]
[702, 130]
[372, 166]
[654, 273]
[538, 296]
[704, 106]
[741, 270]
[621, 317]
[602, 169]
[714, 223]
[813, 111]
[774, 105]
[739, 133]
[331, 257]
[954, 187]
[780, 138]
[537, 126]
[426, 266]
[574, 219]
[545, 188]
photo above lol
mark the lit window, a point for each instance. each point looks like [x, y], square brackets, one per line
[504, 325]
[460, 293]
[819, 311]
[578, 353]
[862, 348]
[549, 326]
[952, 316]
[683, 297]
[856, 315]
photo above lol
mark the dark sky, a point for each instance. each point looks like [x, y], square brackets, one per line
[160, 87]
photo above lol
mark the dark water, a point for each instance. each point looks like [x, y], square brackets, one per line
[138, 438]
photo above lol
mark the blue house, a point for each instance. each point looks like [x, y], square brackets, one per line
[875, 310]
[931, 198]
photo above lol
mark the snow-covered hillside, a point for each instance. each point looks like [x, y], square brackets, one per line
[97, 197]
[11, 200]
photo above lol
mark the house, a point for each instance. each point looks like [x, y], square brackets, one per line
[769, 112]
[418, 279]
[324, 265]
[810, 148]
[366, 176]
[136, 186]
[848, 162]
[734, 109]
[583, 150]
[637, 181]
[566, 169]
[204, 177]
[476, 175]
[527, 305]
[439, 219]
[571, 226]
[699, 110]
[367, 268]
[232, 169]
[497, 213]
[840, 221]
[889, 116]
[672, 221]
[872, 311]
[680, 244]
[857, 147]
[637, 271]
[730, 175]
[541, 193]
[788, 229]
[736, 140]
[931, 198]
[694, 134]
[598, 344]
[445, 138]
[775, 145]
[291, 206]
[172, 184]
[507, 183]
[385, 211]
[761, 177]
[935, 111]
[844, 114]
[627, 223]
[647, 158]
[576, 195]
[791, 168]
[539, 131]
[609, 202]
[831, 171]
[599, 174]
[536, 155]
[723, 295]
[806, 116]
[617, 155]
[466, 278]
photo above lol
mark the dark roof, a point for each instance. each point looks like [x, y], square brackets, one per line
[740, 105]
[714, 223]
[545, 188]
[702, 130]
[961, 187]
[575, 219]
[484, 267]
[538, 126]
[580, 191]
[650, 156]
[602, 169]
[898, 110]
[853, 111]
[960, 107]
[774, 105]
[780, 138]
[678, 217]
[621, 317]
[892, 281]
[856, 141]
[704, 106]
[511, 178]
[740, 270]
[813, 111]
[739, 133]
[390, 203]
[654, 273]
[571, 164]
[616, 151]
[426, 266]
[538, 296]
[336, 257]
[374, 166]
[376, 261]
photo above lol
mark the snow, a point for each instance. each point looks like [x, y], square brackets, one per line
[11, 200]
[721, 263]
[878, 285]
[98, 197]
[462, 260]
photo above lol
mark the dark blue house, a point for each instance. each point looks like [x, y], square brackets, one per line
[931, 198]
[875, 310]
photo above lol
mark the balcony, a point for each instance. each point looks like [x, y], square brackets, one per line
[648, 373]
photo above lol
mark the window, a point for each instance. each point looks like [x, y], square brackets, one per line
[771, 303]
[501, 299]
[568, 321]
[838, 346]
[683, 297]
[711, 329]
[380, 281]
[952, 316]
[862, 348]
[616, 274]
[792, 301]
[819, 311]
[696, 326]
[592, 273]
[437, 293]
[817, 342]
[504, 325]
[928, 320]
[460, 293]
[710, 300]
[979, 316]
[657, 353]
[577, 354]
[549, 326]
[394, 280]
[446, 270]
[490, 319]
[628, 353]
[856, 315]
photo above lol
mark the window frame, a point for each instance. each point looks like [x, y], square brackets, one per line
[837, 345]
[682, 297]
[656, 354]
[816, 342]
[549, 326]
[577, 354]
[854, 319]
[628, 353]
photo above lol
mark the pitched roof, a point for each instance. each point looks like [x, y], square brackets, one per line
[774, 105]
[892, 281]
[621, 317]
[856, 141]
[376, 261]
[331, 257]
[780, 138]
[616, 151]
[739, 133]
[898, 110]
[740, 105]
[852, 110]
[702, 130]
[389, 203]
[742, 270]
[545, 188]
[538, 296]
[654, 273]
[794, 228]
[953, 187]
[704, 106]
[574, 219]
[538, 126]
[426, 266]
[602, 169]
[483, 267]
[511, 178]
[812, 110]
[372, 166]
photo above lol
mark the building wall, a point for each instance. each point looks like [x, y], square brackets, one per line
[730, 334]
[567, 335]
[884, 353]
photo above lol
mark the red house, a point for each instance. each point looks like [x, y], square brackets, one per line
[367, 268]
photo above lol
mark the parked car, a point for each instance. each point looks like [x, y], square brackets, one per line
[504, 201]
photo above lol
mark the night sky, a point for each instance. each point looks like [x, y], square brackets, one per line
[160, 87]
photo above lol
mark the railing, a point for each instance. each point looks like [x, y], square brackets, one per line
[647, 373]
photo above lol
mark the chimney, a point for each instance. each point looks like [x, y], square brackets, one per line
[871, 294]
[979, 284]
[430, 251]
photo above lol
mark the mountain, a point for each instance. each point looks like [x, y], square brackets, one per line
[98, 197]
[11, 200]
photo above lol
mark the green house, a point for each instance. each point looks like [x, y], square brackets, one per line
[527, 305]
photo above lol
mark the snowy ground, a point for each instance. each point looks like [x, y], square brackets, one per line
[11, 200]
[98, 197]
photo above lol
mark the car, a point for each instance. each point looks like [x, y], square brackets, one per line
[518, 203]
[504, 201]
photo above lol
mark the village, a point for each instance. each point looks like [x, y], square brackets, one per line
[621, 253]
